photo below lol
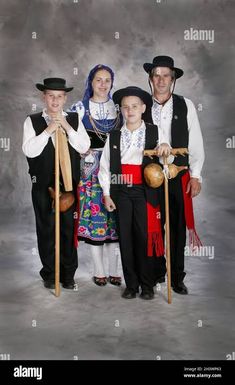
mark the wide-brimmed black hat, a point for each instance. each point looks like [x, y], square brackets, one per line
[133, 91]
[54, 84]
[163, 61]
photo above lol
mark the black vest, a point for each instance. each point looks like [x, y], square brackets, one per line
[97, 141]
[42, 167]
[151, 137]
[179, 127]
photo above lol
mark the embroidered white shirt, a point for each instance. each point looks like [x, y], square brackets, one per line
[162, 116]
[98, 111]
[132, 146]
[33, 144]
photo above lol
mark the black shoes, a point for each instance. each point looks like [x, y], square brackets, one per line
[180, 288]
[147, 294]
[116, 281]
[102, 281]
[69, 284]
[49, 284]
[129, 293]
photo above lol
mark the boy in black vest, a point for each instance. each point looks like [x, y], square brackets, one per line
[178, 126]
[38, 146]
[138, 206]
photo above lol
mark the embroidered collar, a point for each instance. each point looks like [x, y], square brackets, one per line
[135, 138]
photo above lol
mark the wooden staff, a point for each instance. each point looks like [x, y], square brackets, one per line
[167, 220]
[63, 162]
[57, 215]
[174, 151]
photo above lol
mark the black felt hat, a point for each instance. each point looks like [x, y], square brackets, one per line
[132, 91]
[163, 61]
[54, 84]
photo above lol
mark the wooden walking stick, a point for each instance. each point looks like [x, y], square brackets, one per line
[57, 215]
[62, 161]
[65, 162]
[167, 229]
[155, 179]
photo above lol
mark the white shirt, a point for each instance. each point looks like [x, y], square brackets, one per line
[98, 111]
[131, 147]
[162, 117]
[33, 144]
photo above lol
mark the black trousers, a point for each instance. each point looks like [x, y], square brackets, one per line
[177, 234]
[177, 229]
[45, 227]
[132, 229]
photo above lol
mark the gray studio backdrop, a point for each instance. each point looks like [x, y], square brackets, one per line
[66, 38]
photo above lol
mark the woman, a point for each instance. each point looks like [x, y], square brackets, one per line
[96, 225]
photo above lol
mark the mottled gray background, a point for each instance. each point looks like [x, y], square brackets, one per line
[80, 35]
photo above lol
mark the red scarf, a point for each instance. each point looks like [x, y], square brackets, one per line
[194, 240]
[155, 241]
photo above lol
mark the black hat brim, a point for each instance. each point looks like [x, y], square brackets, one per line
[42, 87]
[149, 66]
[135, 91]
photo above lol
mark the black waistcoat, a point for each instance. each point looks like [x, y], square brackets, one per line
[97, 141]
[179, 127]
[42, 167]
[151, 137]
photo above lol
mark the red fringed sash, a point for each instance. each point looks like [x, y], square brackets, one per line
[194, 240]
[155, 241]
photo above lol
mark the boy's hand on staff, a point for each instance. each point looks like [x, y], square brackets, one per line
[109, 204]
[193, 187]
[52, 127]
[163, 149]
[61, 121]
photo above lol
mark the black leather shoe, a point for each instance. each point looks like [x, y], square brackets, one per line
[49, 284]
[69, 285]
[180, 288]
[147, 294]
[129, 293]
[116, 281]
[100, 281]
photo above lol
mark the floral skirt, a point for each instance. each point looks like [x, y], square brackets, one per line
[96, 224]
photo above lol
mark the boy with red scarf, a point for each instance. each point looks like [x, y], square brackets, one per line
[137, 205]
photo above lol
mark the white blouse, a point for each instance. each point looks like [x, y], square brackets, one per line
[98, 110]
[162, 116]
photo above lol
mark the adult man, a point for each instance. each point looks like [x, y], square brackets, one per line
[178, 126]
[38, 146]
